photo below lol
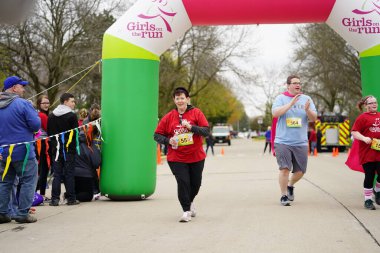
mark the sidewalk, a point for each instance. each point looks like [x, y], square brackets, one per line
[238, 211]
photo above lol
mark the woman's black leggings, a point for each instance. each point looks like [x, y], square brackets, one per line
[370, 169]
[189, 180]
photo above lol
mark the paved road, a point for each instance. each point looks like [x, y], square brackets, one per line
[238, 211]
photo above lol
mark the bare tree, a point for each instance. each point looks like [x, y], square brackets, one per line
[199, 58]
[58, 40]
[329, 67]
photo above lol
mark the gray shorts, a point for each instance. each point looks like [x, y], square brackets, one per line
[293, 158]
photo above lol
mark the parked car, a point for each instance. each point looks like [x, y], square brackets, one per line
[221, 134]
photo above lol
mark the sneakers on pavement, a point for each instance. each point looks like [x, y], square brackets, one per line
[192, 210]
[186, 217]
[5, 218]
[96, 196]
[368, 204]
[72, 203]
[26, 219]
[377, 198]
[285, 200]
[290, 193]
[54, 202]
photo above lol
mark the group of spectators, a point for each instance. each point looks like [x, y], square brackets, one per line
[25, 165]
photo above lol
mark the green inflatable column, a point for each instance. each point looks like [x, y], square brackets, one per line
[370, 65]
[129, 117]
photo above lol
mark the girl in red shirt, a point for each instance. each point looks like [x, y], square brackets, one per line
[182, 130]
[43, 105]
[366, 130]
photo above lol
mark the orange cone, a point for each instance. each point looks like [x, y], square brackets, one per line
[222, 151]
[159, 161]
[333, 153]
[348, 152]
[337, 152]
[315, 152]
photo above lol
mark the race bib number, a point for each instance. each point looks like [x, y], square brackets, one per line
[185, 139]
[294, 122]
[375, 144]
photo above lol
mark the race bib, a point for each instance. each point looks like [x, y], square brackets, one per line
[294, 122]
[375, 144]
[185, 139]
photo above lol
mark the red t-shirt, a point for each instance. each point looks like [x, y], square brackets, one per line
[169, 125]
[44, 120]
[369, 126]
[313, 136]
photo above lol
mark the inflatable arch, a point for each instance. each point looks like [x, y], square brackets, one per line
[133, 44]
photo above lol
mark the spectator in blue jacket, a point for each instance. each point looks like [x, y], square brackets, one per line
[19, 122]
[268, 134]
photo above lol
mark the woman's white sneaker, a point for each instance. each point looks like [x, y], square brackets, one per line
[192, 210]
[186, 217]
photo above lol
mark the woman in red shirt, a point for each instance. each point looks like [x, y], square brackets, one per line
[182, 130]
[43, 105]
[366, 130]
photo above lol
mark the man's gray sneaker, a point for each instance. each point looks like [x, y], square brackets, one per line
[291, 193]
[5, 218]
[26, 219]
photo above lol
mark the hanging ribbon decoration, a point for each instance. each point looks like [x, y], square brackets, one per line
[99, 129]
[9, 159]
[69, 140]
[27, 146]
[63, 145]
[38, 144]
[77, 140]
[88, 135]
[47, 152]
[57, 147]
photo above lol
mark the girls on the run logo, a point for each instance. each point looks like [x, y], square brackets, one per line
[156, 15]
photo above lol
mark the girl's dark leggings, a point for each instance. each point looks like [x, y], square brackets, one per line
[370, 170]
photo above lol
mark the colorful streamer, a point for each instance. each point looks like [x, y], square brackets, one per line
[57, 147]
[9, 159]
[99, 129]
[69, 140]
[63, 145]
[27, 146]
[38, 144]
[47, 152]
[77, 140]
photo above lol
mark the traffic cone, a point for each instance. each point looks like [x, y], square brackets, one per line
[315, 152]
[222, 151]
[159, 161]
[333, 153]
[337, 152]
[348, 151]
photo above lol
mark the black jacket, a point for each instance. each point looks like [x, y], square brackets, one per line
[59, 124]
[89, 159]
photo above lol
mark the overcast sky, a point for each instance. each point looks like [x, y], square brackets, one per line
[273, 51]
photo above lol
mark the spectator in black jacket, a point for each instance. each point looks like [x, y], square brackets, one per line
[63, 119]
[85, 169]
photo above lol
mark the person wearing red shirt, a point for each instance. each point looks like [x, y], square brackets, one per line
[312, 140]
[43, 105]
[181, 130]
[366, 130]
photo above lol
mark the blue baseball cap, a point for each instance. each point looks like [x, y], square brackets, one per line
[12, 81]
